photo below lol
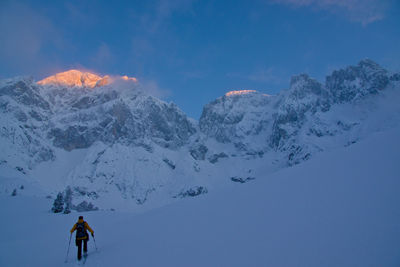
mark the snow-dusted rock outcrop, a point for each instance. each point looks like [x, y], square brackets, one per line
[356, 82]
[110, 116]
[24, 116]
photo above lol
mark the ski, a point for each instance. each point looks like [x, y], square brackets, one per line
[85, 255]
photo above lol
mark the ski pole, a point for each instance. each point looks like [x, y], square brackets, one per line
[69, 244]
[94, 239]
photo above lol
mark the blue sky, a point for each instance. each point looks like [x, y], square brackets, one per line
[191, 52]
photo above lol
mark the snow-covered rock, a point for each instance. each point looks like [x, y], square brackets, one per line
[356, 82]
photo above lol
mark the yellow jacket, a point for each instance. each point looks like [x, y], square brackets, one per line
[87, 227]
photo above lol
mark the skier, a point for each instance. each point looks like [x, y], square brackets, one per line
[81, 235]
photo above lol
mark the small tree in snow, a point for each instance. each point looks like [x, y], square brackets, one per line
[68, 200]
[67, 209]
[58, 204]
[14, 193]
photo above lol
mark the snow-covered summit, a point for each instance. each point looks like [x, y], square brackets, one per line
[73, 78]
[76, 78]
[240, 92]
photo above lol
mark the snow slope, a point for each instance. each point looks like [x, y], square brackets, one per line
[340, 208]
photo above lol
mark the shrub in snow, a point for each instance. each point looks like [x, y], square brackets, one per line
[67, 210]
[241, 179]
[192, 192]
[196, 167]
[170, 163]
[14, 193]
[58, 205]
[198, 152]
[214, 158]
[20, 169]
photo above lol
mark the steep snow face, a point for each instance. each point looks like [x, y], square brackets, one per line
[128, 175]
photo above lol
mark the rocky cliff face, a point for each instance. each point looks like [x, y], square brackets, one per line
[107, 116]
[74, 118]
[299, 120]
[237, 117]
[116, 146]
[24, 116]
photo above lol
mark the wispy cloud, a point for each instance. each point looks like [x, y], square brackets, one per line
[153, 26]
[152, 88]
[103, 55]
[159, 14]
[26, 35]
[268, 75]
[362, 11]
[192, 74]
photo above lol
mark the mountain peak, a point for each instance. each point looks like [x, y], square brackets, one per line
[240, 92]
[368, 63]
[75, 78]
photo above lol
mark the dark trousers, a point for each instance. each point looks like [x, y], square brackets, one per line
[79, 245]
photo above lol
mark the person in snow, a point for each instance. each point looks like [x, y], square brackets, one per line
[81, 228]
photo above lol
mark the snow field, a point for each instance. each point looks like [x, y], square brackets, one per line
[338, 209]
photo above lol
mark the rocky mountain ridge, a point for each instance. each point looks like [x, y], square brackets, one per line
[282, 119]
[118, 147]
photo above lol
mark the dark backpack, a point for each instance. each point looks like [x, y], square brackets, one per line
[80, 230]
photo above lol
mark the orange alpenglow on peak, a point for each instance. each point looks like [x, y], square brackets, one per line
[72, 78]
[240, 92]
[76, 78]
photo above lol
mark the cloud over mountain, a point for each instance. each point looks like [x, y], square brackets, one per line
[362, 11]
